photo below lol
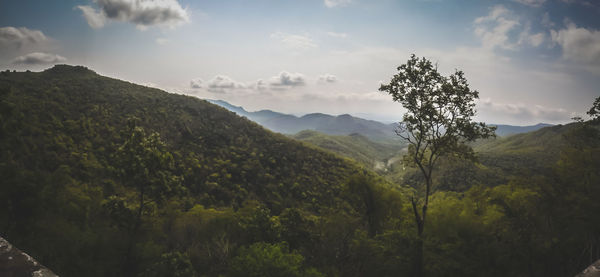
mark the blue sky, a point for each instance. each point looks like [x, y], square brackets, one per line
[531, 60]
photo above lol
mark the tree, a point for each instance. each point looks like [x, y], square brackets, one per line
[144, 163]
[264, 259]
[437, 123]
[594, 111]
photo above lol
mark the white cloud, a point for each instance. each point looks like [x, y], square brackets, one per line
[494, 29]
[296, 42]
[261, 85]
[218, 84]
[520, 112]
[578, 44]
[526, 38]
[162, 41]
[336, 3]
[196, 83]
[327, 78]
[337, 35]
[142, 13]
[18, 37]
[38, 58]
[286, 80]
[96, 19]
[221, 83]
[531, 3]
[536, 40]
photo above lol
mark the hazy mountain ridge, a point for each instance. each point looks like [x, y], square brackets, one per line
[332, 125]
[342, 124]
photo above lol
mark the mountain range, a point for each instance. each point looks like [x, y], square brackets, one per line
[344, 124]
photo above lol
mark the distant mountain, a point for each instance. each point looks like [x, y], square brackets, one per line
[342, 124]
[506, 130]
[328, 124]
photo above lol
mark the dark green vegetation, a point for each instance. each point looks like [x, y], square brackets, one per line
[437, 124]
[223, 196]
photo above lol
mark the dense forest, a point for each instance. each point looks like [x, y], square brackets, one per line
[101, 177]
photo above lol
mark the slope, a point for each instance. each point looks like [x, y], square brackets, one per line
[61, 133]
[375, 155]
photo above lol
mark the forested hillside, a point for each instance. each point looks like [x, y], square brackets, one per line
[62, 184]
[373, 155]
[102, 177]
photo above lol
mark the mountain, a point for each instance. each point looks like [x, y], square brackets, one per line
[343, 124]
[65, 197]
[102, 177]
[332, 125]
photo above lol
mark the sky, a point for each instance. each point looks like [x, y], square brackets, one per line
[532, 61]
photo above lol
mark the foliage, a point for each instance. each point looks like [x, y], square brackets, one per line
[594, 111]
[437, 123]
[263, 259]
[221, 193]
[371, 154]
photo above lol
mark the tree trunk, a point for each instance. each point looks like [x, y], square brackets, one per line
[419, 262]
[128, 267]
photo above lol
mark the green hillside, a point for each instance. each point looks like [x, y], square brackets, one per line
[101, 177]
[61, 136]
[374, 155]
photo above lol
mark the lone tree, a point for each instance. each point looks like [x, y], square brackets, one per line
[437, 123]
[594, 111]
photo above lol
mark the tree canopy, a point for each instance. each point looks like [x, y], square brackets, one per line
[437, 122]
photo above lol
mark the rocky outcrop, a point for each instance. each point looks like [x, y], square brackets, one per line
[16, 263]
[592, 270]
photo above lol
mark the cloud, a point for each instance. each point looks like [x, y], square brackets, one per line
[337, 35]
[218, 84]
[336, 3]
[286, 80]
[225, 84]
[18, 37]
[494, 29]
[578, 44]
[296, 42]
[531, 3]
[38, 58]
[261, 85]
[327, 78]
[142, 13]
[196, 83]
[546, 21]
[162, 41]
[526, 114]
[96, 19]
[221, 83]
[526, 38]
